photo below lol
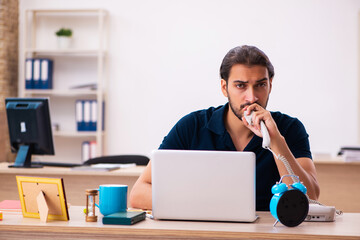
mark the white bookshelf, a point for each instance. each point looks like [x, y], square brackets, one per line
[82, 63]
[69, 52]
[60, 92]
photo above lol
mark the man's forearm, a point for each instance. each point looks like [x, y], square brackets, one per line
[141, 195]
[302, 167]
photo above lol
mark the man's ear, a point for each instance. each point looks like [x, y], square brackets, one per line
[224, 87]
[270, 82]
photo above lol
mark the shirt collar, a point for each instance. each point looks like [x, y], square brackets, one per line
[216, 122]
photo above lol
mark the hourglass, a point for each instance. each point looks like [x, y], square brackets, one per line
[90, 205]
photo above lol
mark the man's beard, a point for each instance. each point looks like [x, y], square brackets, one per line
[239, 111]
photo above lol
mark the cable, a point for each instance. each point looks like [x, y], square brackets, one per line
[284, 161]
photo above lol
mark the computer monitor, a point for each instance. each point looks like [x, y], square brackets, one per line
[29, 129]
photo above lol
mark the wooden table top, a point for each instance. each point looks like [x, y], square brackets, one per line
[346, 226]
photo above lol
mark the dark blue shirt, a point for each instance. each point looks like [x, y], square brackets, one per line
[205, 130]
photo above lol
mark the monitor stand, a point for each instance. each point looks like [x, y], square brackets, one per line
[23, 158]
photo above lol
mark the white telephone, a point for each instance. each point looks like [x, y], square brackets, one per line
[264, 131]
[317, 211]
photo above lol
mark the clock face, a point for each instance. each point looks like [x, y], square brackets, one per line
[292, 208]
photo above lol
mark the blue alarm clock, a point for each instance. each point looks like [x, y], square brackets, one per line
[289, 205]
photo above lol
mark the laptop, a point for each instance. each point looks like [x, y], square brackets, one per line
[203, 185]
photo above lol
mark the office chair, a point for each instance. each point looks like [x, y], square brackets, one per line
[137, 159]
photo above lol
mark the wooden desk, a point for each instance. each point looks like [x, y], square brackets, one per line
[339, 184]
[75, 181]
[14, 226]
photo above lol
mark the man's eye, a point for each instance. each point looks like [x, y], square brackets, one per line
[264, 84]
[240, 85]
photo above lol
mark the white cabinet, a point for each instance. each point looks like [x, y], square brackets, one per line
[82, 63]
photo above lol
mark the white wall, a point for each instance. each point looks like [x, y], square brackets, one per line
[165, 56]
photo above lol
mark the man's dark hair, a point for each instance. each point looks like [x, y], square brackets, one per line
[247, 55]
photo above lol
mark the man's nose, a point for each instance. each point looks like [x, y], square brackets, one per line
[251, 96]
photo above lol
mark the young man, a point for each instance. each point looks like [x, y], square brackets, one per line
[246, 80]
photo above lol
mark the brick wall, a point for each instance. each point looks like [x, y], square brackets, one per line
[9, 25]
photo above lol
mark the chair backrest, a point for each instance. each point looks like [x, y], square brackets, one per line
[138, 159]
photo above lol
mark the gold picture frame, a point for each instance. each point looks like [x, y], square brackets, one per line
[42, 198]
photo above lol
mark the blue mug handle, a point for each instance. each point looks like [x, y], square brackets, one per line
[99, 196]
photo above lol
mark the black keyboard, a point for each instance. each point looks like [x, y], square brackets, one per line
[56, 164]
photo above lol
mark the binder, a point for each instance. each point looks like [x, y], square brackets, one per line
[103, 116]
[36, 74]
[29, 73]
[92, 149]
[85, 151]
[93, 119]
[79, 113]
[46, 73]
[87, 114]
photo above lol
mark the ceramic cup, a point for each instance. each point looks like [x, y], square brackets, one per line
[112, 198]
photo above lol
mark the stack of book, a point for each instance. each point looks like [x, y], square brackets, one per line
[38, 73]
[350, 153]
[10, 206]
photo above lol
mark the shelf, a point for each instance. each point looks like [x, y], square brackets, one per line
[64, 93]
[66, 11]
[74, 134]
[66, 52]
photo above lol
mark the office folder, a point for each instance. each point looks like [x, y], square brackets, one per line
[93, 119]
[87, 114]
[85, 151]
[36, 74]
[92, 150]
[46, 68]
[103, 116]
[79, 115]
[124, 218]
[29, 73]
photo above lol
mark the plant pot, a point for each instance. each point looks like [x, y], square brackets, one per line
[64, 42]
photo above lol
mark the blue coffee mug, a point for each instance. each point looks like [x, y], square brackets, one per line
[112, 198]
